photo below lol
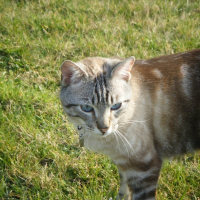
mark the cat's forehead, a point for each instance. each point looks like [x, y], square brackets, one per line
[99, 91]
[96, 65]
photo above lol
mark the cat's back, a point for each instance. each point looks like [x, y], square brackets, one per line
[170, 66]
[177, 72]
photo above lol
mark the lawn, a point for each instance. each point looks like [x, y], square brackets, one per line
[40, 157]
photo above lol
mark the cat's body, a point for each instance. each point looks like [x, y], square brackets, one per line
[135, 113]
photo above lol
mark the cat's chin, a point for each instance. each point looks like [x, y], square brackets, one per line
[107, 133]
[100, 134]
[98, 142]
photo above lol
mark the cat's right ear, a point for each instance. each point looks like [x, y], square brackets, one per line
[71, 73]
[122, 71]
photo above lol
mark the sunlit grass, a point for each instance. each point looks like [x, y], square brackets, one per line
[39, 153]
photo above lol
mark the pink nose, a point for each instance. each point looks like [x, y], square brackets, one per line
[103, 130]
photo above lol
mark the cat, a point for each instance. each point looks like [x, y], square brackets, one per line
[137, 112]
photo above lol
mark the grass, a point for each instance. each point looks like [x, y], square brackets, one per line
[39, 153]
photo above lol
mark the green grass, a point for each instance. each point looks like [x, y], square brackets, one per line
[39, 153]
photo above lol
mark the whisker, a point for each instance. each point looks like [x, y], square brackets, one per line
[118, 144]
[139, 124]
[125, 139]
[122, 139]
[133, 121]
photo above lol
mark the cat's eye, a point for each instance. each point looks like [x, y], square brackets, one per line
[86, 108]
[116, 106]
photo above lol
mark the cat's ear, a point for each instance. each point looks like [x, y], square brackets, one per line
[122, 71]
[71, 73]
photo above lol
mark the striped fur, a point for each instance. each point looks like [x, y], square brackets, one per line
[136, 112]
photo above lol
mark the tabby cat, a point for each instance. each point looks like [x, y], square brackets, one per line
[136, 112]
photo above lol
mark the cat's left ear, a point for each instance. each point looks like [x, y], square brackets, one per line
[123, 70]
[71, 73]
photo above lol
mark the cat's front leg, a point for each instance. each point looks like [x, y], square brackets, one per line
[123, 190]
[139, 181]
[142, 185]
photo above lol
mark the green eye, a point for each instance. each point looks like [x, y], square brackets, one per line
[116, 106]
[86, 108]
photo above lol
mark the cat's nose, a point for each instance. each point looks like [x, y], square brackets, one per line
[103, 130]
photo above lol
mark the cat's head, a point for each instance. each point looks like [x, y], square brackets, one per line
[95, 93]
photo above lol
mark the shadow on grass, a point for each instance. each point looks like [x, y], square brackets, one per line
[11, 60]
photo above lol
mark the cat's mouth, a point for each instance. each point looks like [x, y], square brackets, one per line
[98, 132]
[109, 130]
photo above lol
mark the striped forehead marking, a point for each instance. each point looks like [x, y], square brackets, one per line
[101, 94]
